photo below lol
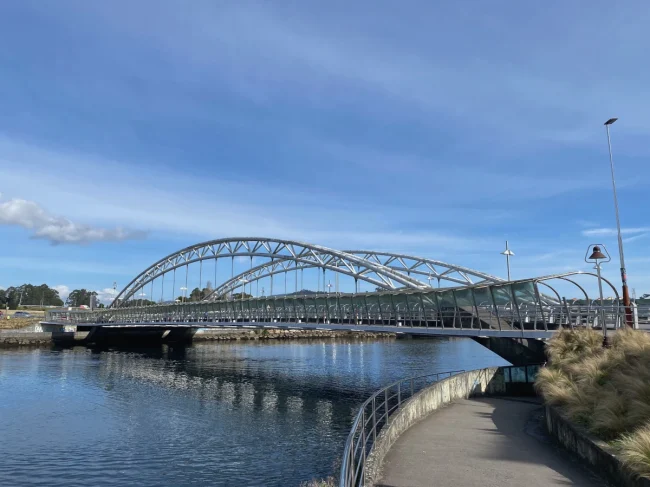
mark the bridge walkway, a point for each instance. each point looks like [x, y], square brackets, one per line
[491, 442]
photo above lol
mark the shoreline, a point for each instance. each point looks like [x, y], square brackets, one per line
[18, 338]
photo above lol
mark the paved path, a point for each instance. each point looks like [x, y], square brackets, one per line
[485, 442]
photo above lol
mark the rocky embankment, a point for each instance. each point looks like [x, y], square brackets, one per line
[278, 334]
[14, 339]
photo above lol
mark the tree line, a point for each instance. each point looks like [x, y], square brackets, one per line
[28, 294]
[43, 295]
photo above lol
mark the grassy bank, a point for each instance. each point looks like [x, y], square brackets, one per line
[16, 323]
[606, 390]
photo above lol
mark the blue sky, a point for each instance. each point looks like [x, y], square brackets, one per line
[131, 129]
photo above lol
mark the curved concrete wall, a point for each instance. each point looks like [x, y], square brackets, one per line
[461, 386]
[596, 453]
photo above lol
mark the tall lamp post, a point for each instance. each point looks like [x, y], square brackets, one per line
[626, 294]
[507, 252]
[597, 256]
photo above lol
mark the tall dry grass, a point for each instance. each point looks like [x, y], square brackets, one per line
[635, 451]
[605, 389]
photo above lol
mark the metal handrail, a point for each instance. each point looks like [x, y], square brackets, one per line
[373, 415]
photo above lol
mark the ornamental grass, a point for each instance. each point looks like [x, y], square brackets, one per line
[606, 390]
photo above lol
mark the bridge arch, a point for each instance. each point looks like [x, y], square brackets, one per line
[400, 263]
[303, 254]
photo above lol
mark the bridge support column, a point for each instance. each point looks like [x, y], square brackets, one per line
[178, 335]
[517, 351]
[100, 335]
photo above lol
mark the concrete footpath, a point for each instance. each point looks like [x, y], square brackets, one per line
[485, 442]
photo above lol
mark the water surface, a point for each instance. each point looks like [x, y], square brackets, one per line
[271, 414]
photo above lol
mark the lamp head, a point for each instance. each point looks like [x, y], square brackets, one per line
[611, 121]
[597, 254]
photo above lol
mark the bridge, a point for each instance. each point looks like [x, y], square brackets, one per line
[407, 297]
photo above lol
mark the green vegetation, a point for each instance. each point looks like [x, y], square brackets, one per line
[606, 390]
[79, 297]
[28, 294]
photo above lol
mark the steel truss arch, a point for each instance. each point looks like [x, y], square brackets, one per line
[411, 264]
[304, 253]
[402, 263]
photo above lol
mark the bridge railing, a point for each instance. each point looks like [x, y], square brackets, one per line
[480, 316]
[373, 415]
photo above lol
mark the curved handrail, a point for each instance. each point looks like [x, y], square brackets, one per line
[366, 426]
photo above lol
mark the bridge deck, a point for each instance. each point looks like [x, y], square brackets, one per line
[412, 330]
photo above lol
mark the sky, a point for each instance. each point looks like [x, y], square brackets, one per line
[129, 130]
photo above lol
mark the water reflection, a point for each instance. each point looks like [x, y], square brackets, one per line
[213, 414]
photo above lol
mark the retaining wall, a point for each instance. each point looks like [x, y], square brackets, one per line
[595, 452]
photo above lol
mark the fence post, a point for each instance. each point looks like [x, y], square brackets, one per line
[363, 447]
[374, 420]
[351, 463]
[386, 404]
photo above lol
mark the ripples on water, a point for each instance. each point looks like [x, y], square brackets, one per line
[268, 414]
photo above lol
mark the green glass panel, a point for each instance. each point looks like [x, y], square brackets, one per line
[448, 311]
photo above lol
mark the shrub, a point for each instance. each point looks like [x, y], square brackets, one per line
[634, 450]
[605, 389]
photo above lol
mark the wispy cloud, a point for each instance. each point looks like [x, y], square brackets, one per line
[60, 266]
[612, 232]
[636, 237]
[56, 229]
[184, 204]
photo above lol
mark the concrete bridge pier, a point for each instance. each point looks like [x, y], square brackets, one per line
[139, 335]
[178, 335]
[517, 351]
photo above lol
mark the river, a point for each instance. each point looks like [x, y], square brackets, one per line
[223, 414]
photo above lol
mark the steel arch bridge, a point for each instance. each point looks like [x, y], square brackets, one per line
[384, 270]
[476, 304]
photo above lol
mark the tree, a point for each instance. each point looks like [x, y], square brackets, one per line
[79, 297]
[196, 295]
[28, 294]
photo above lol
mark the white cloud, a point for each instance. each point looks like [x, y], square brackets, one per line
[191, 207]
[612, 232]
[106, 295]
[63, 290]
[55, 229]
[635, 237]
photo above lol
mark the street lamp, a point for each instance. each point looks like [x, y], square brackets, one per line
[597, 256]
[183, 288]
[626, 294]
[507, 252]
